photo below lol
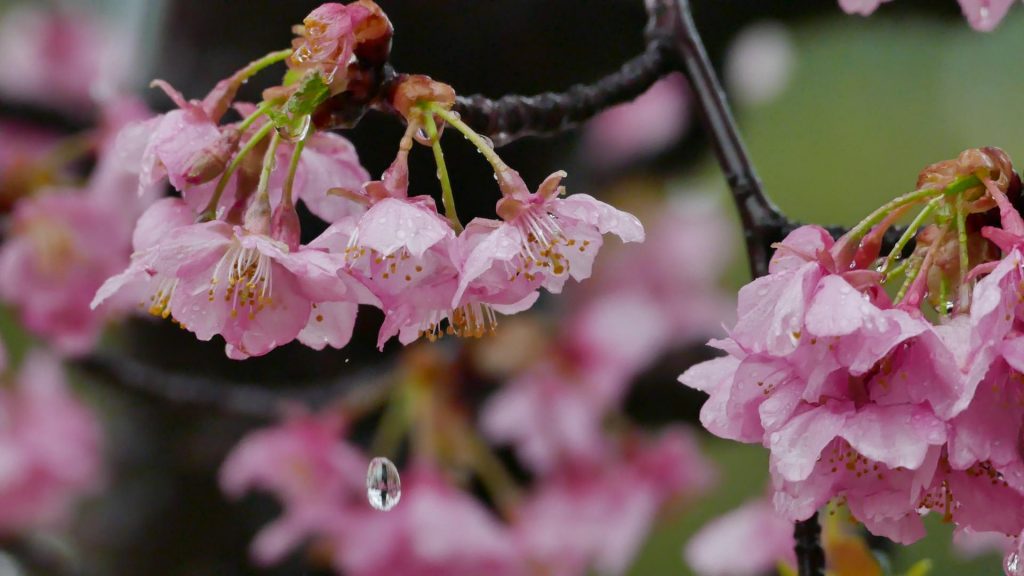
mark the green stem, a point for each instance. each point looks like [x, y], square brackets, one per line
[908, 234]
[899, 269]
[913, 268]
[210, 212]
[496, 162]
[262, 194]
[961, 236]
[918, 264]
[493, 475]
[256, 115]
[256, 65]
[880, 213]
[957, 186]
[289, 183]
[447, 197]
[392, 426]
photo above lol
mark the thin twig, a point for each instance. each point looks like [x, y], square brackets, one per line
[810, 557]
[354, 394]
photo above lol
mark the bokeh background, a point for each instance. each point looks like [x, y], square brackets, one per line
[839, 113]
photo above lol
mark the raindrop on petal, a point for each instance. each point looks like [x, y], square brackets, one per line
[1012, 565]
[383, 486]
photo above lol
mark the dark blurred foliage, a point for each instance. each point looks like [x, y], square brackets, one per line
[164, 514]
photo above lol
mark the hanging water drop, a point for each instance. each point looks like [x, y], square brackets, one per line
[1013, 565]
[422, 137]
[295, 133]
[383, 486]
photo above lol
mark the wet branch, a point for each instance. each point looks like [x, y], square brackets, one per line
[355, 394]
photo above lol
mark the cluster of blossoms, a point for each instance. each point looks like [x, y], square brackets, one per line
[225, 258]
[896, 406]
[49, 446]
[597, 484]
[983, 15]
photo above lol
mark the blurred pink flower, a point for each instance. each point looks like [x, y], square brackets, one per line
[305, 463]
[437, 529]
[551, 417]
[23, 143]
[748, 541]
[61, 248]
[983, 15]
[649, 124]
[49, 448]
[597, 516]
[64, 57]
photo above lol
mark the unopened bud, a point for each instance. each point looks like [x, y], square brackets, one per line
[284, 225]
[210, 162]
[414, 89]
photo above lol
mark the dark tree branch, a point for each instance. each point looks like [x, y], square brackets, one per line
[355, 394]
[511, 117]
[810, 558]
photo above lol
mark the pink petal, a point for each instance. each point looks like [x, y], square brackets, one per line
[605, 218]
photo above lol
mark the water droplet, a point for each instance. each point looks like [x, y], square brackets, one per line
[950, 306]
[1012, 565]
[489, 142]
[422, 137]
[383, 486]
[295, 133]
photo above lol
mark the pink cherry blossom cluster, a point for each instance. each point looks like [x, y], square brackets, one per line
[896, 406]
[65, 238]
[226, 257]
[983, 15]
[596, 516]
[49, 446]
[595, 491]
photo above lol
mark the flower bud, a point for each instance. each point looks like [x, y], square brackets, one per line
[413, 89]
[210, 162]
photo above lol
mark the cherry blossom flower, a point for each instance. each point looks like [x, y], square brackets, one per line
[557, 238]
[147, 280]
[308, 467]
[327, 37]
[818, 370]
[184, 145]
[49, 448]
[251, 289]
[765, 538]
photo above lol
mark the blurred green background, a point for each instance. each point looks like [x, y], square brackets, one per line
[870, 103]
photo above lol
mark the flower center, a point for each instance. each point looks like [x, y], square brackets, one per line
[55, 247]
[543, 242]
[247, 276]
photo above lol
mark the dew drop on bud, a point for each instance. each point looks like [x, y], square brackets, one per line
[422, 137]
[383, 486]
[1012, 565]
